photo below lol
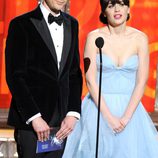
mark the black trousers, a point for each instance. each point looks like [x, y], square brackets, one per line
[26, 146]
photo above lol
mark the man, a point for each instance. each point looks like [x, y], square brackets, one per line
[43, 75]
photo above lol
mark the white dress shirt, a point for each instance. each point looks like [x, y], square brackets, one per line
[57, 34]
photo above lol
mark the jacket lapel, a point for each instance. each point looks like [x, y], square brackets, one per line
[43, 30]
[66, 43]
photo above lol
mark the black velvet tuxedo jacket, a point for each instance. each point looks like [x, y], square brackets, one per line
[36, 84]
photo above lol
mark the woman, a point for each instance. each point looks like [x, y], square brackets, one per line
[126, 130]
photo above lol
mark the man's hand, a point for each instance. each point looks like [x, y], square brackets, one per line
[41, 128]
[67, 127]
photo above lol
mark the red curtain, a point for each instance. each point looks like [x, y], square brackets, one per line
[144, 16]
[8, 10]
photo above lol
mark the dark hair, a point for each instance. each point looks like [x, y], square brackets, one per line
[104, 4]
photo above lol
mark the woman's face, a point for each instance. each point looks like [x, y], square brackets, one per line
[116, 13]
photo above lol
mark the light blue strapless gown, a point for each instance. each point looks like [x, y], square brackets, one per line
[138, 140]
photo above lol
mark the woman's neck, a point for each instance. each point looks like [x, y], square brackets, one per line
[118, 30]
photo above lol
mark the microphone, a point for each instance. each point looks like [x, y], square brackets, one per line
[99, 43]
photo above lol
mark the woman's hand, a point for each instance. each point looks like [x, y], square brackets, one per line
[124, 121]
[115, 124]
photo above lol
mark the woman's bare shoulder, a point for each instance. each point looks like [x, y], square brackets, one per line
[137, 34]
[100, 32]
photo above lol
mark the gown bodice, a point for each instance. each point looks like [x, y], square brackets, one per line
[116, 79]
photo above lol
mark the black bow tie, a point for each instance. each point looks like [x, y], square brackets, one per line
[58, 19]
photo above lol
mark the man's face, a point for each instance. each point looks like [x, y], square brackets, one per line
[54, 5]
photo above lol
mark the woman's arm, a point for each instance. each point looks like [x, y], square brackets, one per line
[91, 80]
[142, 76]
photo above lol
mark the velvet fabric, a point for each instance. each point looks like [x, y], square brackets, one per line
[36, 84]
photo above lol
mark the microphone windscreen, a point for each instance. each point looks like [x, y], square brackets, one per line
[99, 42]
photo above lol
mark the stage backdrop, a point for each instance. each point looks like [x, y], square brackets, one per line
[144, 16]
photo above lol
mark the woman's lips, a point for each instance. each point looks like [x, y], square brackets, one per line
[117, 16]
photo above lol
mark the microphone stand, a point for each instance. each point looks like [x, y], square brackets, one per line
[99, 98]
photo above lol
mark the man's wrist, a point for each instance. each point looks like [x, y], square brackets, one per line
[74, 114]
[32, 118]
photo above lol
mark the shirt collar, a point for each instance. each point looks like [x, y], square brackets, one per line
[46, 12]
